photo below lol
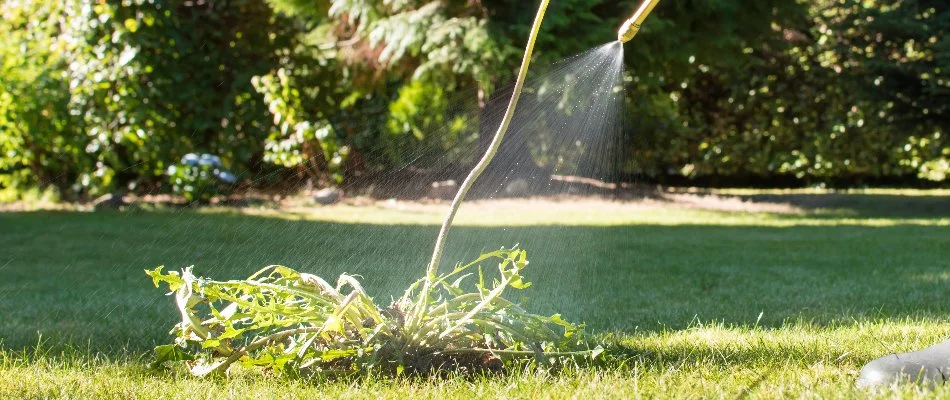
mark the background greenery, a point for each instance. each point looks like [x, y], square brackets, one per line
[105, 95]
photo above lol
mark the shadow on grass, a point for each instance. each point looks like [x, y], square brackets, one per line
[77, 278]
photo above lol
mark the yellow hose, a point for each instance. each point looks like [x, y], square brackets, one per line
[631, 27]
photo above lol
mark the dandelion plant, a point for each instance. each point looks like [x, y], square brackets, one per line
[286, 321]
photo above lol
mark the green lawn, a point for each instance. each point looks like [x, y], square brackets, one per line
[713, 303]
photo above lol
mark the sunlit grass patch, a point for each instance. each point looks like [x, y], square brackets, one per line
[601, 212]
[704, 360]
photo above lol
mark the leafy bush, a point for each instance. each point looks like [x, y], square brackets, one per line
[302, 136]
[199, 178]
[831, 91]
[291, 322]
[103, 95]
[40, 142]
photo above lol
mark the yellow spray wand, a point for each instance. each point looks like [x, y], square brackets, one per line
[631, 27]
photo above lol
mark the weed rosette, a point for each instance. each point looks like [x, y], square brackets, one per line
[287, 322]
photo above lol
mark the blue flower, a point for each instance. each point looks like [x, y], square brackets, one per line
[190, 159]
[209, 160]
[226, 176]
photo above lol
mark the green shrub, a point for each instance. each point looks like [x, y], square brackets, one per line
[41, 143]
[102, 95]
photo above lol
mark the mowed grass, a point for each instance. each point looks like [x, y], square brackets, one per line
[703, 303]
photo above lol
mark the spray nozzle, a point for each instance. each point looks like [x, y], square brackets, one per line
[631, 27]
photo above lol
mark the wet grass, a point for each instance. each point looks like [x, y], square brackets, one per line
[709, 303]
